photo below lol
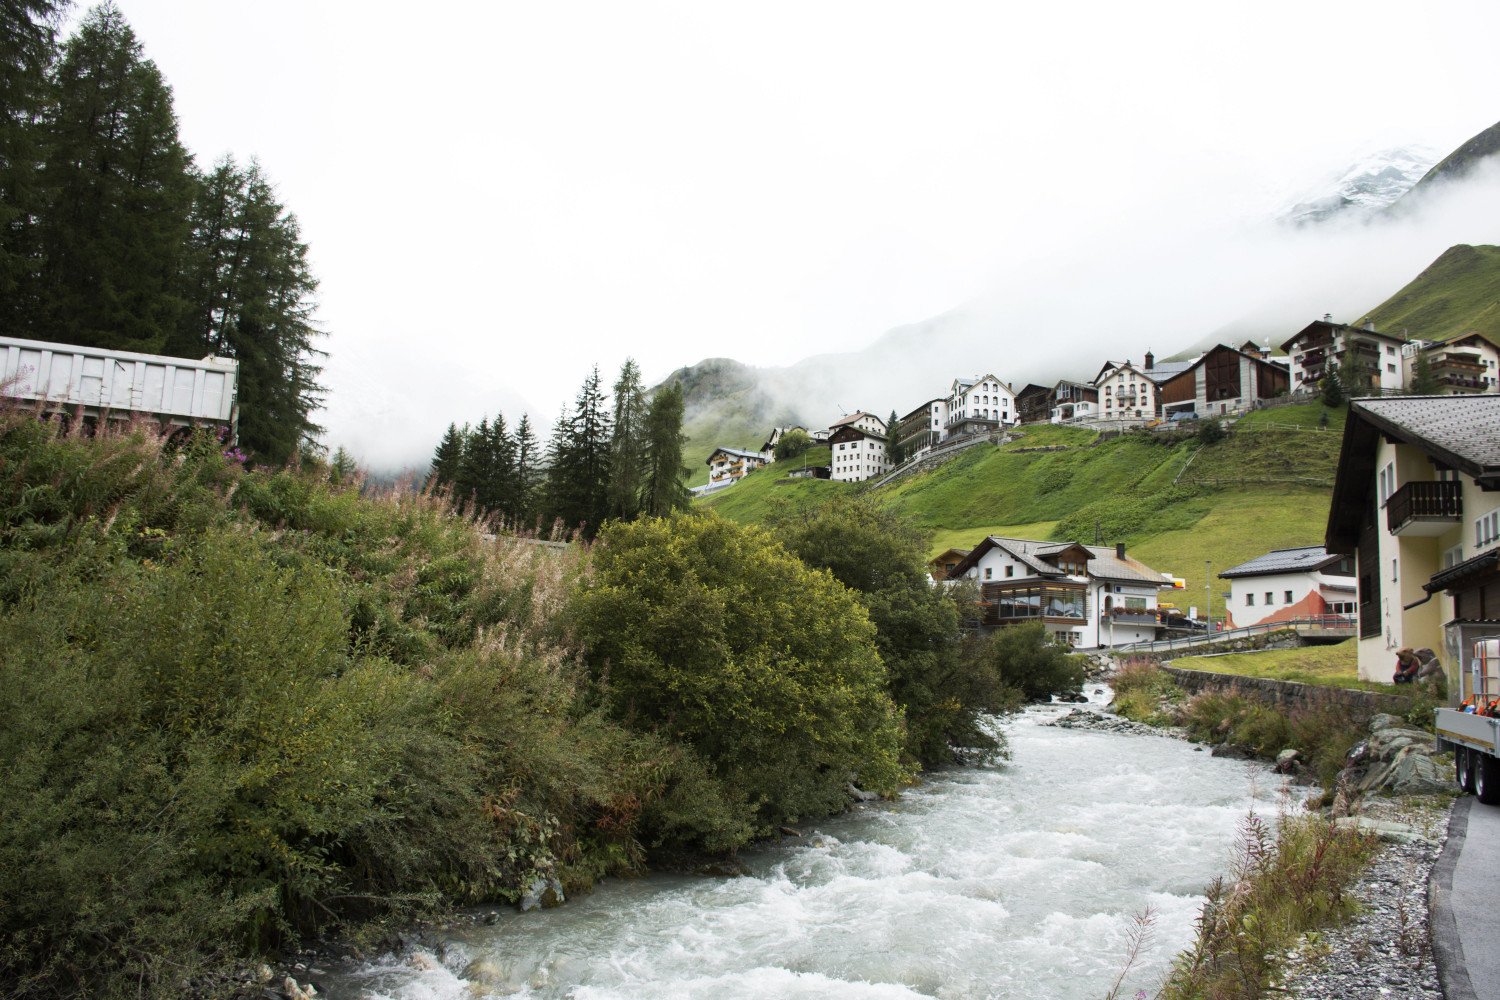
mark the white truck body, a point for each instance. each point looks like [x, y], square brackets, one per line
[1474, 738]
[66, 378]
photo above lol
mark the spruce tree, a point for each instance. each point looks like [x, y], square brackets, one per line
[117, 196]
[474, 470]
[1423, 381]
[663, 492]
[448, 457]
[892, 450]
[525, 472]
[627, 447]
[28, 46]
[578, 473]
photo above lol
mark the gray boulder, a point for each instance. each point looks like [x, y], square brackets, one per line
[1384, 721]
[543, 892]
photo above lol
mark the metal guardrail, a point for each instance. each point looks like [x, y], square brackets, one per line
[1320, 623]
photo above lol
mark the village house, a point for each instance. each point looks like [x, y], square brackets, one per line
[1073, 401]
[921, 428]
[1465, 364]
[1126, 392]
[1284, 584]
[941, 565]
[978, 406]
[1223, 380]
[858, 445]
[777, 433]
[1086, 595]
[1374, 358]
[1416, 501]
[1034, 404]
[727, 465]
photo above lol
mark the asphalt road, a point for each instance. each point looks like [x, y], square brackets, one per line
[1464, 896]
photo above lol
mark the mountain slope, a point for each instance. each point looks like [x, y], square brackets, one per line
[1457, 293]
[1176, 506]
[1367, 187]
[1455, 165]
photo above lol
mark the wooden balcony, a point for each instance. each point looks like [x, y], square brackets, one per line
[1424, 509]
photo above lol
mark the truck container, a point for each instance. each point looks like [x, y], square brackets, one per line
[1472, 730]
[102, 385]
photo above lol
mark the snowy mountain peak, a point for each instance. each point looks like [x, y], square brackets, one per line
[1371, 184]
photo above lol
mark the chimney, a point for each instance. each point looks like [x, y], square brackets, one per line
[1119, 550]
[1150, 361]
[1328, 317]
[1370, 325]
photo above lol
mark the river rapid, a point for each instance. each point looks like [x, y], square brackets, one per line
[1018, 880]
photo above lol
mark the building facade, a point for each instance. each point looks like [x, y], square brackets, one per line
[726, 465]
[979, 405]
[922, 428]
[1371, 359]
[1085, 595]
[1416, 501]
[1463, 365]
[1306, 582]
[1221, 382]
[1126, 393]
[857, 454]
[1073, 401]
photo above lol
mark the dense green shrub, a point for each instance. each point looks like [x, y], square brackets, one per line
[882, 557]
[713, 635]
[1030, 661]
[1145, 693]
[242, 706]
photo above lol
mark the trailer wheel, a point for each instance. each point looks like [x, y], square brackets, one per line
[1486, 778]
[1463, 768]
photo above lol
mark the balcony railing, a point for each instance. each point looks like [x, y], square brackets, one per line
[1429, 502]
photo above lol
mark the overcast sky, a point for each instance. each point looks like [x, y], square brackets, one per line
[498, 195]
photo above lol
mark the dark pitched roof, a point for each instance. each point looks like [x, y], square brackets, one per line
[1462, 432]
[851, 418]
[1307, 559]
[1103, 563]
[1334, 328]
[1169, 369]
[737, 452]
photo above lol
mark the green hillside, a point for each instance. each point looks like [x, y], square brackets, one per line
[1174, 503]
[1459, 162]
[1457, 293]
[725, 406]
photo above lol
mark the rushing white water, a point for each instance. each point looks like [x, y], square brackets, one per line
[1018, 881]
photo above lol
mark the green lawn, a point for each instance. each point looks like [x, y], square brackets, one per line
[754, 498]
[1329, 666]
[944, 539]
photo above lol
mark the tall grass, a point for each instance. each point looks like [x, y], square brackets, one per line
[243, 706]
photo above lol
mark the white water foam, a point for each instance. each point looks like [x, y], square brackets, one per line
[1019, 881]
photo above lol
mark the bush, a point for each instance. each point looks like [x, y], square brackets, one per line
[1029, 661]
[713, 635]
[1210, 431]
[793, 443]
[1141, 689]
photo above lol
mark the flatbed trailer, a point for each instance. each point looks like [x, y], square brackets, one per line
[1472, 731]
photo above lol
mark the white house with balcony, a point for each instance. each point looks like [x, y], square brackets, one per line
[1126, 392]
[857, 444]
[1416, 501]
[1284, 584]
[979, 405]
[1372, 357]
[1085, 595]
[1465, 364]
[727, 465]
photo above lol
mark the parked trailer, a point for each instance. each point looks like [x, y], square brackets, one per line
[65, 378]
[1472, 731]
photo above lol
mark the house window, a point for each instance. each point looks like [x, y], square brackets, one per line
[1395, 567]
[1270, 598]
[1453, 556]
[1010, 571]
[1288, 596]
[1391, 369]
[1487, 529]
[1249, 600]
[1387, 481]
[988, 572]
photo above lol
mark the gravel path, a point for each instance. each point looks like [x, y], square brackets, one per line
[1385, 950]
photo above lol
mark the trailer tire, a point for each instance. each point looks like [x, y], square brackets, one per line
[1486, 778]
[1464, 760]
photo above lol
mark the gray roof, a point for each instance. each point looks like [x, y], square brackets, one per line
[1103, 564]
[1306, 559]
[738, 452]
[1167, 369]
[1466, 427]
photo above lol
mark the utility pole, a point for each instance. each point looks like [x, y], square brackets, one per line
[1208, 593]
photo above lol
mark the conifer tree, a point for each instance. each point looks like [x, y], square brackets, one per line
[892, 450]
[578, 466]
[448, 457]
[663, 492]
[474, 469]
[1423, 381]
[28, 46]
[117, 195]
[499, 490]
[627, 448]
[525, 472]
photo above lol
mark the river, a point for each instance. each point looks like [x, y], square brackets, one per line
[1018, 880]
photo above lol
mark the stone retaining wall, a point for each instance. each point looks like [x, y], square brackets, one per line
[1288, 694]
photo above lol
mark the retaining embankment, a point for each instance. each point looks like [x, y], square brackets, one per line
[1288, 694]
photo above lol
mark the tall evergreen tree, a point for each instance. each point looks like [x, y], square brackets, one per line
[251, 287]
[663, 491]
[28, 46]
[474, 469]
[578, 466]
[892, 450]
[500, 492]
[627, 448]
[1423, 381]
[527, 455]
[117, 196]
[448, 457]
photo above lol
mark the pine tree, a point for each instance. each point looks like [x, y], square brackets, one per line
[525, 473]
[578, 473]
[892, 449]
[663, 492]
[117, 196]
[1333, 388]
[627, 447]
[246, 271]
[1423, 381]
[448, 457]
[499, 490]
[28, 46]
[474, 470]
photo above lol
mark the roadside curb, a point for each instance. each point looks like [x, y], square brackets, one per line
[1447, 949]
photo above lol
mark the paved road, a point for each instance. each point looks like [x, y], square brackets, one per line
[1464, 896]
